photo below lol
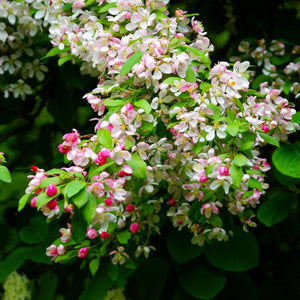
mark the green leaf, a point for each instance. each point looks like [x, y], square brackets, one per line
[233, 128]
[201, 280]
[270, 139]
[36, 232]
[279, 60]
[4, 174]
[123, 237]
[205, 87]
[113, 271]
[49, 180]
[89, 2]
[240, 253]
[89, 209]
[190, 75]
[236, 174]
[240, 160]
[287, 87]
[284, 179]
[287, 159]
[23, 201]
[64, 59]
[277, 208]
[81, 198]
[138, 166]
[144, 104]
[95, 169]
[113, 103]
[131, 61]
[13, 261]
[180, 247]
[296, 117]
[215, 109]
[105, 138]
[254, 184]
[53, 52]
[74, 187]
[106, 7]
[96, 288]
[202, 57]
[46, 286]
[171, 80]
[260, 79]
[79, 227]
[94, 265]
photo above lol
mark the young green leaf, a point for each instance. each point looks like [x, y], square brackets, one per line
[144, 104]
[138, 166]
[74, 187]
[105, 138]
[270, 139]
[131, 61]
[23, 201]
[240, 160]
[190, 75]
[4, 174]
[123, 237]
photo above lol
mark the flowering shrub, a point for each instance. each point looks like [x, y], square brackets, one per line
[176, 140]
[173, 135]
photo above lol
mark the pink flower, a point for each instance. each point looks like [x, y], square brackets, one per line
[51, 190]
[134, 227]
[66, 233]
[91, 233]
[54, 251]
[83, 252]
[208, 208]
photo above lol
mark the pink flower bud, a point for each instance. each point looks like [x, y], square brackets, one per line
[33, 202]
[100, 160]
[91, 233]
[129, 207]
[51, 190]
[265, 128]
[83, 252]
[223, 171]
[134, 227]
[108, 202]
[52, 204]
[172, 202]
[104, 235]
[203, 179]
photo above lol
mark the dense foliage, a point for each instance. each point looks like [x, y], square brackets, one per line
[172, 166]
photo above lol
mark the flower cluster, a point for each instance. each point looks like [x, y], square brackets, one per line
[277, 61]
[173, 135]
[21, 33]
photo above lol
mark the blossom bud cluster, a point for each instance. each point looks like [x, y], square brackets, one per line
[173, 135]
